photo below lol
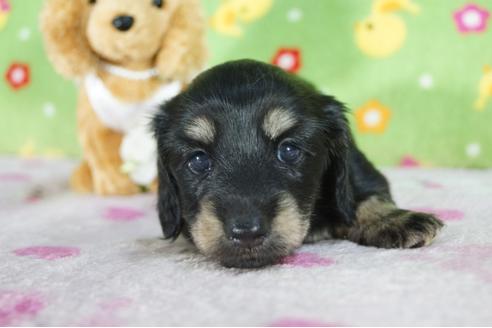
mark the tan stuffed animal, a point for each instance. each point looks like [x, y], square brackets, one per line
[128, 56]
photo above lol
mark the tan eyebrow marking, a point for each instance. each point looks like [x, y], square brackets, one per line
[201, 129]
[277, 121]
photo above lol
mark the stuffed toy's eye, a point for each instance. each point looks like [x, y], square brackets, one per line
[288, 153]
[92, 2]
[158, 3]
[199, 163]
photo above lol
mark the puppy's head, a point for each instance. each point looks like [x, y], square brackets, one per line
[243, 154]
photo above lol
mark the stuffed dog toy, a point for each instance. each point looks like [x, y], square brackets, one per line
[128, 56]
[253, 162]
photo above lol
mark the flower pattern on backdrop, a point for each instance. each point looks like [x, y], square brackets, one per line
[288, 59]
[232, 15]
[5, 9]
[372, 117]
[18, 75]
[471, 19]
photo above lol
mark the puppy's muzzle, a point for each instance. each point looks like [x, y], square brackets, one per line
[246, 233]
[123, 23]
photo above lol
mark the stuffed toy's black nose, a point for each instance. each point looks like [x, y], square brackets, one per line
[123, 23]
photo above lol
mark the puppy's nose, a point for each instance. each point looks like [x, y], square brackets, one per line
[247, 235]
[123, 23]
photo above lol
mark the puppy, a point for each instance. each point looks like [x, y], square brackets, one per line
[253, 162]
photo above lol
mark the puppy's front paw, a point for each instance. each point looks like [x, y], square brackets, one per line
[398, 229]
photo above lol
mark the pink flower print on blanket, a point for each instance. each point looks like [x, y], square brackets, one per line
[306, 260]
[47, 252]
[472, 259]
[16, 307]
[445, 214]
[123, 214]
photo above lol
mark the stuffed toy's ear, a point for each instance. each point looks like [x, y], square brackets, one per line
[183, 52]
[63, 28]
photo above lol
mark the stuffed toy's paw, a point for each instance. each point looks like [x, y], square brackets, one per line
[81, 180]
[114, 183]
[139, 154]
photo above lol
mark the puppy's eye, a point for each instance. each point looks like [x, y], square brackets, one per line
[199, 163]
[158, 3]
[92, 2]
[288, 153]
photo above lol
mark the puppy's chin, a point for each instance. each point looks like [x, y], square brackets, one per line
[268, 253]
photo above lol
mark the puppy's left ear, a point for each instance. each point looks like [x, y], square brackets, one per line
[339, 143]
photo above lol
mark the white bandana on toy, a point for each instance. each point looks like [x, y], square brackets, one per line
[138, 149]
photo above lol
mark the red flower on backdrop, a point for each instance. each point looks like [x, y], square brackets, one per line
[18, 75]
[288, 59]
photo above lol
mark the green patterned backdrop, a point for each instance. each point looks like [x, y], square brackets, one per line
[414, 73]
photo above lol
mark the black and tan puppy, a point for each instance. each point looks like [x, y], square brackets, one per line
[253, 162]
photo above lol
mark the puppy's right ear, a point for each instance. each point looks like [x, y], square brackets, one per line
[63, 29]
[168, 204]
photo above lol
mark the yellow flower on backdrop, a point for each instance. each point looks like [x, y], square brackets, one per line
[484, 88]
[4, 13]
[30, 150]
[231, 13]
[372, 117]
